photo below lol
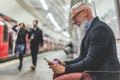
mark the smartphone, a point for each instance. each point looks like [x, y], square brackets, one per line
[51, 63]
[45, 59]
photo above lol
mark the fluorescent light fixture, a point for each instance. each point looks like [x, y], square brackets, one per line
[44, 4]
[65, 34]
[89, 1]
[54, 22]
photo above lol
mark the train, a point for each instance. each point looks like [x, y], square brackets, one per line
[8, 38]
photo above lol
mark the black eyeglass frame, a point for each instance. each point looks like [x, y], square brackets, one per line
[74, 17]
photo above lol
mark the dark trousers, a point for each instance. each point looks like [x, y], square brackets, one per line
[34, 52]
[34, 58]
[20, 59]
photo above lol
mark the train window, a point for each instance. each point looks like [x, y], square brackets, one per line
[5, 35]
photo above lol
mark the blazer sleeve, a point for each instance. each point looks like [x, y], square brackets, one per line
[96, 52]
[73, 61]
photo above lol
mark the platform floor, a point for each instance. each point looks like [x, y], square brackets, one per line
[9, 71]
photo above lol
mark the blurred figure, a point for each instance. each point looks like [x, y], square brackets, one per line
[98, 49]
[28, 27]
[36, 40]
[69, 48]
[20, 47]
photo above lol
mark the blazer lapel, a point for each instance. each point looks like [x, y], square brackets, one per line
[91, 26]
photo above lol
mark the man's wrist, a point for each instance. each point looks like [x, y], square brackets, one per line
[63, 63]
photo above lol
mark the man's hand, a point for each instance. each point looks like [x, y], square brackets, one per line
[50, 63]
[31, 37]
[62, 63]
[58, 68]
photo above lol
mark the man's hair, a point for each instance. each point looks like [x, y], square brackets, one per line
[36, 21]
[79, 4]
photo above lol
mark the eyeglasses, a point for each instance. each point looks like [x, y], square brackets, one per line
[74, 17]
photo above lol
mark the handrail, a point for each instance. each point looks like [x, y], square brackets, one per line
[102, 71]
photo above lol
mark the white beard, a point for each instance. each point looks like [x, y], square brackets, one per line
[81, 33]
[82, 27]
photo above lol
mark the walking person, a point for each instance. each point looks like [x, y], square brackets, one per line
[36, 41]
[20, 47]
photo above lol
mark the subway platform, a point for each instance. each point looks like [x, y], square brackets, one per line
[9, 70]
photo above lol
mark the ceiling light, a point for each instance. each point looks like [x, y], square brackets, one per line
[44, 4]
[65, 34]
[89, 1]
[54, 22]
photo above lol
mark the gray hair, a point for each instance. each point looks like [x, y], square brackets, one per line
[79, 4]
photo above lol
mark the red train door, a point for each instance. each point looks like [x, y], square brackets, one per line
[3, 41]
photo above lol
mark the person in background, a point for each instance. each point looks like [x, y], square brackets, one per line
[20, 47]
[36, 39]
[69, 48]
[98, 52]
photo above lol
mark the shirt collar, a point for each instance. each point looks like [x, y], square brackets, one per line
[35, 28]
[88, 25]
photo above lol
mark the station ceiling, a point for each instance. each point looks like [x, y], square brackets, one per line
[54, 21]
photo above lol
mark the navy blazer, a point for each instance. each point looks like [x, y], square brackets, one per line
[97, 53]
[38, 38]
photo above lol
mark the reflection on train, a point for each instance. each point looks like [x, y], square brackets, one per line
[8, 38]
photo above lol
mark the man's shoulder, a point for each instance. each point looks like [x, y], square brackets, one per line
[39, 30]
[99, 24]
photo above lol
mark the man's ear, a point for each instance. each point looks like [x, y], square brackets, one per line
[85, 12]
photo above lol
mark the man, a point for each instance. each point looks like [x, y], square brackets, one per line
[98, 49]
[36, 39]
